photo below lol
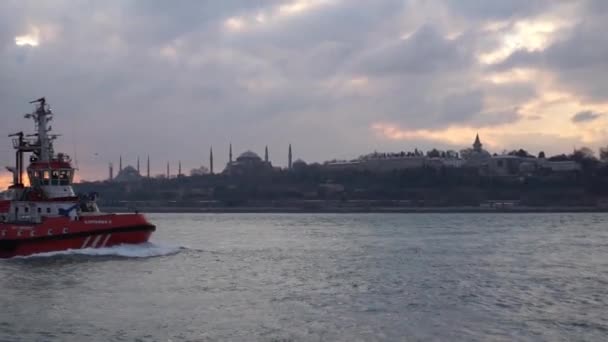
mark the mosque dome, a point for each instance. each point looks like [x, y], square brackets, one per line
[247, 162]
[299, 162]
[128, 174]
[249, 156]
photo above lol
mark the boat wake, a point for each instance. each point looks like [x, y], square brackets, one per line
[144, 250]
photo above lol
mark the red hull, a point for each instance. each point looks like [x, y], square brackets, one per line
[57, 234]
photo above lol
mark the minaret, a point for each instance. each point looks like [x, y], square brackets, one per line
[266, 154]
[120, 164]
[111, 167]
[148, 169]
[230, 154]
[139, 173]
[179, 168]
[289, 158]
[477, 144]
[211, 160]
[168, 173]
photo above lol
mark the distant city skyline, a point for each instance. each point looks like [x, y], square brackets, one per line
[164, 166]
[334, 78]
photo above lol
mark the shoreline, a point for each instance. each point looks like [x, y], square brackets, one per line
[353, 210]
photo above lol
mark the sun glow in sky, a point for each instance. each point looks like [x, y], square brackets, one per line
[284, 11]
[523, 35]
[5, 181]
[235, 24]
[299, 6]
[31, 38]
[548, 114]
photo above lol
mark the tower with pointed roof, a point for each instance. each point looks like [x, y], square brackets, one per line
[266, 154]
[477, 145]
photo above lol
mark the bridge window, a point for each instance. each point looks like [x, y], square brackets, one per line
[64, 177]
[34, 177]
[45, 178]
[54, 177]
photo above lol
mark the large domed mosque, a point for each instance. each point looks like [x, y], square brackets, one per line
[248, 162]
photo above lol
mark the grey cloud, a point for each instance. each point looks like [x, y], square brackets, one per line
[461, 107]
[115, 93]
[585, 116]
[496, 10]
[160, 21]
[520, 58]
[533, 117]
[496, 118]
[426, 51]
[597, 6]
[579, 58]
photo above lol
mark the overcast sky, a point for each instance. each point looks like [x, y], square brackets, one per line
[335, 78]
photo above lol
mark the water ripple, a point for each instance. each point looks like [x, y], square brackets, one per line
[322, 277]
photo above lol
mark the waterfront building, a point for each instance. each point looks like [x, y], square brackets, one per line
[508, 165]
[559, 166]
[381, 162]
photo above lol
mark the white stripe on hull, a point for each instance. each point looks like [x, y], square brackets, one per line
[84, 244]
[94, 243]
[103, 244]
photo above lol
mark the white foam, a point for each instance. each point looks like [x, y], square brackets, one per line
[144, 250]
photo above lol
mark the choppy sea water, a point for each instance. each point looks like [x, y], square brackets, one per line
[291, 277]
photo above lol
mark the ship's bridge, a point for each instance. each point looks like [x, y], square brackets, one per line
[51, 173]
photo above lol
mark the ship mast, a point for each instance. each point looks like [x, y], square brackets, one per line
[42, 116]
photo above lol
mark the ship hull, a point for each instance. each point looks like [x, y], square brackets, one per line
[60, 234]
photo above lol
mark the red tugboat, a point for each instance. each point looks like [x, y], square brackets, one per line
[47, 215]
